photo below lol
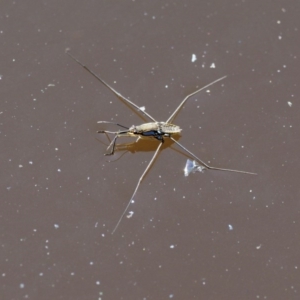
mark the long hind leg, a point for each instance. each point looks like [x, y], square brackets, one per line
[205, 164]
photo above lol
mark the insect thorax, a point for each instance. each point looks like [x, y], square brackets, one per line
[160, 128]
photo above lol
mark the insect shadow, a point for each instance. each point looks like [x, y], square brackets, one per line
[153, 129]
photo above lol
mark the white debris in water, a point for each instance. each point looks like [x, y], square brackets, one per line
[213, 66]
[130, 214]
[194, 57]
[289, 104]
[192, 166]
[142, 108]
[230, 227]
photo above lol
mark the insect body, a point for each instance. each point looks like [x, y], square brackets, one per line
[157, 130]
[160, 128]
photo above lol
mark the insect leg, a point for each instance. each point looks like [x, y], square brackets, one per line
[108, 86]
[112, 144]
[190, 95]
[107, 122]
[206, 165]
[137, 186]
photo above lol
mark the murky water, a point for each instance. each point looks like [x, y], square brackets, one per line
[211, 235]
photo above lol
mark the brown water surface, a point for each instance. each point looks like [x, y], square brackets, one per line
[212, 235]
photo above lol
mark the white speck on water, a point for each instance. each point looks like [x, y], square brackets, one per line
[130, 214]
[278, 22]
[98, 282]
[289, 104]
[172, 246]
[1, 76]
[20, 166]
[166, 86]
[56, 226]
[142, 108]
[213, 66]
[280, 37]
[194, 57]
[30, 162]
[258, 247]
[56, 149]
[171, 296]
[230, 227]
[51, 84]
[96, 224]
[22, 285]
[192, 167]
[58, 170]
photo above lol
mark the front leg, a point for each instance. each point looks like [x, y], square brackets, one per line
[112, 145]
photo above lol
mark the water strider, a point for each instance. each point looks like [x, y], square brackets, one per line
[154, 129]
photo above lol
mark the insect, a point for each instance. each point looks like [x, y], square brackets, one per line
[153, 129]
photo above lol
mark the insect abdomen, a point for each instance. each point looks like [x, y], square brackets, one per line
[169, 128]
